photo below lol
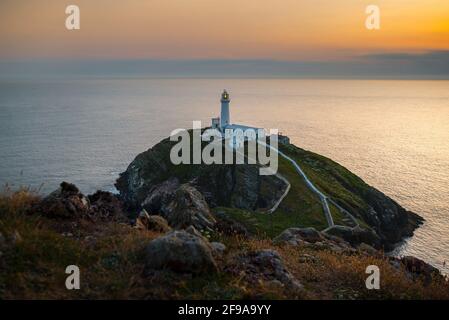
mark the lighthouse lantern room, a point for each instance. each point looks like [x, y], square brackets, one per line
[224, 117]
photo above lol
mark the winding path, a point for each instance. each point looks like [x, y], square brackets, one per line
[324, 199]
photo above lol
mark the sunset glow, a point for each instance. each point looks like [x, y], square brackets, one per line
[205, 29]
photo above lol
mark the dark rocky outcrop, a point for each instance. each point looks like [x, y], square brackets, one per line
[418, 268]
[67, 202]
[355, 236]
[233, 185]
[180, 251]
[390, 221]
[188, 207]
[182, 205]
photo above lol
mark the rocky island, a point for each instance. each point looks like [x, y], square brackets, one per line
[239, 193]
[208, 231]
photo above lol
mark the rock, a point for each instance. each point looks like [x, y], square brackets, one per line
[390, 221]
[182, 205]
[180, 251]
[265, 265]
[192, 230]
[218, 248]
[355, 236]
[65, 203]
[395, 263]
[160, 195]
[187, 208]
[106, 206]
[418, 268]
[368, 249]
[153, 222]
[297, 236]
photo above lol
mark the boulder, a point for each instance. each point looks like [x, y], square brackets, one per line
[418, 268]
[67, 202]
[160, 195]
[106, 206]
[296, 236]
[188, 208]
[151, 222]
[263, 265]
[180, 251]
[355, 236]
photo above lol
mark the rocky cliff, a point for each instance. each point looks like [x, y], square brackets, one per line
[151, 181]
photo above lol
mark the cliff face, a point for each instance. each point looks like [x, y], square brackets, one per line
[238, 186]
[241, 187]
[378, 211]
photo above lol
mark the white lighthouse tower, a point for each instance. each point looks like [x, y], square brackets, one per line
[224, 117]
[238, 133]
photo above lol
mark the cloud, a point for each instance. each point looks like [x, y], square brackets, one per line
[428, 65]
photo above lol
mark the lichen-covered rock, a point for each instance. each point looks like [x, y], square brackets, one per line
[180, 251]
[263, 265]
[160, 195]
[152, 222]
[67, 202]
[188, 208]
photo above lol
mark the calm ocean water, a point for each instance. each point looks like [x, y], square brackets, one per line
[394, 134]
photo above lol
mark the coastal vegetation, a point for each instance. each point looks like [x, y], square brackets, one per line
[205, 230]
[35, 251]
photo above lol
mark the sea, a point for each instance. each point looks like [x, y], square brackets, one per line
[392, 133]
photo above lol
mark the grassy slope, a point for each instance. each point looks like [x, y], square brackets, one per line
[302, 207]
[110, 257]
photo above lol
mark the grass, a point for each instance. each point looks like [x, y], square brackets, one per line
[35, 252]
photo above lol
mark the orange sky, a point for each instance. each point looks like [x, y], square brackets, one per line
[234, 29]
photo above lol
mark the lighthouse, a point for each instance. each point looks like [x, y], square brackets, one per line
[238, 133]
[224, 117]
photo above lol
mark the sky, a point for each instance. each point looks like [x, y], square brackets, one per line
[319, 33]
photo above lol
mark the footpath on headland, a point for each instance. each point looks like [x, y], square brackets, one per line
[323, 198]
